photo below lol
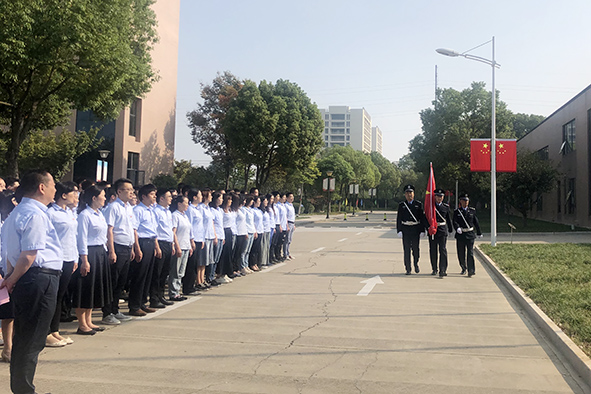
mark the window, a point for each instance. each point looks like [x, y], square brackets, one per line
[337, 138]
[543, 153]
[348, 131]
[348, 144]
[348, 124]
[326, 117]
[348, 137]
[338, 124]
[570, 196]
[325, 123]
[133, 166]
[326, 137]
[134, 117]
[338, 144]
[326, 144]
[337, 116]
[348, 116]
[559, 198]
[337, 131]
[326, 131]
[568, 138]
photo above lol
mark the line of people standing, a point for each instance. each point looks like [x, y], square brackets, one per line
[411, 225]
[63, 246]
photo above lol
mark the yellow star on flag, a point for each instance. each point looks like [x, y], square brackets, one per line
[485, 145]
[501, 146]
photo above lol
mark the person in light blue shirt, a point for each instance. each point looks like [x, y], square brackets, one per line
[184, 246]
[165, 241]
[64, 220]
[241, 234]
[195, 216]
[140, 270]
[266, 233]
[218, 222]
[290, 218]
[34, 261]
[206, 254]
[92, 287]
[229, 222]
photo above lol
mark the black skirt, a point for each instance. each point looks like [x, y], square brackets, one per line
[94, 290]
[7, 311]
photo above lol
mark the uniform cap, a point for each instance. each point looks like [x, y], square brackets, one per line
[464, 196]
[409, 188]
[439, 192]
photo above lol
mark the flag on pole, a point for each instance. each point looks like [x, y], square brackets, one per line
[480, 155]
[506, 155]
[430, 203]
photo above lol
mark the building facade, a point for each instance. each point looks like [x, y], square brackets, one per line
[565, 138]
[344, 126]
[140, 142]
[376, 139]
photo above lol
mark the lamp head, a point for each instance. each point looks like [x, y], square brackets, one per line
[329, 173]
[447, 52]
[103, 153]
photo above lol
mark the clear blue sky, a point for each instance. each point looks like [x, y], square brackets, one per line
[381, 54]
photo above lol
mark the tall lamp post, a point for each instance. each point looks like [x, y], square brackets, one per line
[329, 184]
[493, 132]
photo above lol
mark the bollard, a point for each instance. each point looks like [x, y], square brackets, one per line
[366, 216]
[385, 216]
[345, 216]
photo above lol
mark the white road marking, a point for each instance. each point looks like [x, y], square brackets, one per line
[359, 233]
[317, 250]
[176, 305]
[342, 240]
[272, 268]
[369, 285]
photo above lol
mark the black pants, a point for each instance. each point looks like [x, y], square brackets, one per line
[119, 274]
[140, 274]
[34, 297]
[191, 270]
[466, 245]
[67, 269]
[160, 273]
[226, 266]
[438, 244]
[254, 257]
[279, 239]
[241, 242]
[410, 242]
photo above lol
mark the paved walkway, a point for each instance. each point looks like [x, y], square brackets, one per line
[303, 328]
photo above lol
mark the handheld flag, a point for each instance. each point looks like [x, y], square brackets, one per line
[430, 203]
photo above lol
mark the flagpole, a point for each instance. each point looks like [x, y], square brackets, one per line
[493, 162]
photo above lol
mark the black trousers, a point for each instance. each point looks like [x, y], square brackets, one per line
[34, 297]
[254, 258]
[438, 244]
[410, 242]
[191, 270]
[140, 274]
[119, 274]
[225, 266]
[160, 273]
[239, 247]
[67, 270]
[279, 239]
[466, 247]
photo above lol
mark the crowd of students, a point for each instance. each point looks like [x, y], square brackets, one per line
[152, 246]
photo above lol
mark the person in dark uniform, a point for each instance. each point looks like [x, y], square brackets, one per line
[410, 225]
[438, 241]
[465, 222]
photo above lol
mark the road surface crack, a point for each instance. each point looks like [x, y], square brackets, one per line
[369, 365]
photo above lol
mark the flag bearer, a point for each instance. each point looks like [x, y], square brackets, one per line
[438, 241]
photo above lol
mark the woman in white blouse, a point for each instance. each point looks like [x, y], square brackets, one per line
[184, 246]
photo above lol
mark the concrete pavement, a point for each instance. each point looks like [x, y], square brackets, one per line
[302, 328]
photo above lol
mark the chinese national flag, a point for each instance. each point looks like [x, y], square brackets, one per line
[480, 155]
[430, 203]
[506, 155]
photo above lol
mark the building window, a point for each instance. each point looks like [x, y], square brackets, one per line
[133, 169]
[326, 137]
[559, 198]
[337, 138]
[570, 196]
[337, 116]
[326, 117]
[134, 116]
[348, 137]
[337, 124]
[543, 153]
[348, 131]
[326, 144]
[568, 138]
[337, 144]
[325, 123]
[348, 124]
[337, 131]
[348, 116]
[326, 131]
[348, 144]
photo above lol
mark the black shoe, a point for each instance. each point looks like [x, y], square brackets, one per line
[192, 293]
[178, 298]
[157, 305]
[165, 301]
[99, 329]
[80, 332]
[434, 272]
[408, 272]
[471, 274]
[463, 271]
[441, 276]
[67, 319]
[417, 270]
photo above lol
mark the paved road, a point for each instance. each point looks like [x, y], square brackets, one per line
[303, 328]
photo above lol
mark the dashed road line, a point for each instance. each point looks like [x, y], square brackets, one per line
[342, 240]
[168, 309]
[273, 267]
[359, 233]
[317, 250]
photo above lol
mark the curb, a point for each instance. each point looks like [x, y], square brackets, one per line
[577, 359]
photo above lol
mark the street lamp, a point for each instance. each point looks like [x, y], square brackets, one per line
[493, 131]
[329, 174]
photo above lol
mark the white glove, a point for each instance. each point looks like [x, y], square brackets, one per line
[400, 234]
[459, 230]
[423, 234]
[480, 236]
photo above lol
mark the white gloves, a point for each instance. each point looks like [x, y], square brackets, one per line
[400, 234]
[423, 234]
[459, 230]
[480, 236]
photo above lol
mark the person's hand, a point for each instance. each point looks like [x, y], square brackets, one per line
[422, 235]
[256, 235]
[400, 234]
[7, 282]
[112, 257]
[215, 241]
[84, 268]
[139, 255]
[459, 230]
[480, 236]
[179, 253]
[75, 266]
[158, 253]
[132, 256]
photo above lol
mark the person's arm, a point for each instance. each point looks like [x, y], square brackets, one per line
[177, 246]
[157, 250]
[477, 225]
[24, 262]
[111, 245]
[136, 246]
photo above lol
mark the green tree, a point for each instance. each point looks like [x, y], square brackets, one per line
[61, 55]
[522, 189]
[164, 181]
[390, 176]
[342, 171]
[524, 123]
[207, 121]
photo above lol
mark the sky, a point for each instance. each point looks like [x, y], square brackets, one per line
[380, 55]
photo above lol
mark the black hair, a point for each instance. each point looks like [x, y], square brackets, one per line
[10, 180]
[145, 190]
[227, 197]
[248, 200]
[109, 193]
[205, 193]
[252, 190]
[237, 201]
[31, 181]
[186, 189]
[120, 182]
[263, 198]
[87, 196]
[86, 184]
[6, 205]
[214, 199]
[276, 193]
[62, 188]
[192, 194]
[289, 194]
[175, 203]
[161, 192]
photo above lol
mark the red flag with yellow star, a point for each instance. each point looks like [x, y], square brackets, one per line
[480, 155]
[430, 213]
[506, 155]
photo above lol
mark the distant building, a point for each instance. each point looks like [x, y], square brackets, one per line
[344, 126]
[376, 139]
[565, 138]
[140, 142]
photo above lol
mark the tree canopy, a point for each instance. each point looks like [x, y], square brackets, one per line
[58, 55]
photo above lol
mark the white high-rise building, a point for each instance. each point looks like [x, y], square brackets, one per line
[344, 126]
[376, 139]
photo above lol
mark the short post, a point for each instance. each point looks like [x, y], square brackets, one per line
[512, 228]
[385, 217]
[345, 215]
[366, 216]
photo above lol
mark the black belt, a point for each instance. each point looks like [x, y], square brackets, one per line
[290, 222]
[46, 271]
[147, 239]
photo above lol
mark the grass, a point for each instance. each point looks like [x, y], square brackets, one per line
[533, 226]
[557, 277]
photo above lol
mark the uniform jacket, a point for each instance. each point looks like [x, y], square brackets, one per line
[404, 215]
[443, 215]
[458, 222]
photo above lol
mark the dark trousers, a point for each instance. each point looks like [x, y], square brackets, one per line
[438, 244]
[255, 253]
[279, 240]
[466, 245]
[119, 274]
[34, 297]
[139, 274]
[67, 269]
[161, 269]
[226, 266]
[191, 270]
[410, 242]
[239, 248]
